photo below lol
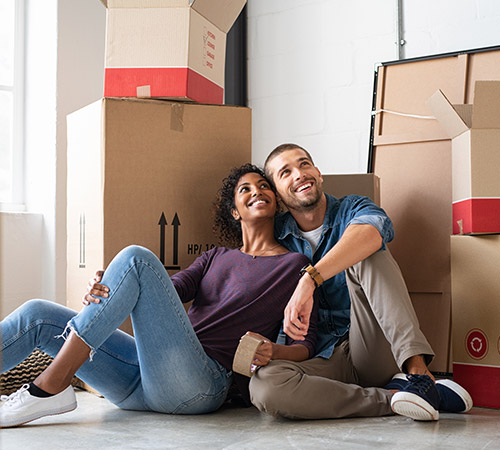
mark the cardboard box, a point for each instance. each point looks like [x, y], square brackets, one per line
[366, 184]
[476, 316]
[432, 308]
[416, 195]
[475, 133]
[146, 172]
[434, 315]
[168, 48]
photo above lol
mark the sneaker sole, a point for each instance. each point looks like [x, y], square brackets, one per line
[411, 405]
[39, 415]
[460, 391]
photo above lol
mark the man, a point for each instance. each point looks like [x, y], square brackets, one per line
[367, 328]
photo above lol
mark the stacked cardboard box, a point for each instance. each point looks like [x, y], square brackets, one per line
[475, 257]
[145, 171]
[475, 133]
[168, 48]
[475, 262]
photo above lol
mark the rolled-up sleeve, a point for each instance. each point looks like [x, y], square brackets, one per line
[364, 211]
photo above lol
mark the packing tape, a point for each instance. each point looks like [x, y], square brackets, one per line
[177, 117]
[245, 353]
[143, 91]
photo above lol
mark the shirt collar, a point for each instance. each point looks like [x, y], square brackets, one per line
[286, 224]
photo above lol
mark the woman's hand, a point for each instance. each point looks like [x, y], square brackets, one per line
[264, 353]
[95, 289]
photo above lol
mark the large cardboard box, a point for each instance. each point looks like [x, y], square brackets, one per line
[168, 48]
[146, 172]
[432, 308]
[475, 133]
[366, 184]
[475, 262]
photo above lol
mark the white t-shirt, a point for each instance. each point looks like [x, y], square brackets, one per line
[313, 237]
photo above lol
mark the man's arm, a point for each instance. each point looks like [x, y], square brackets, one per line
[358, 242]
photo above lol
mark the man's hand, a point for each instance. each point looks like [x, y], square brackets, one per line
[95, 289]
[264, 353]
[299, 308]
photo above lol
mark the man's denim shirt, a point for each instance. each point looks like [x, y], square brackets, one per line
[333, 296]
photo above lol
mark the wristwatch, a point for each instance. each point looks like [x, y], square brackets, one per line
[314, 274]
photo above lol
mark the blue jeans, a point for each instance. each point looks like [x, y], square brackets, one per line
[164, 368]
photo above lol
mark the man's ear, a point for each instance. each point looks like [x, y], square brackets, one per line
[235, 214]
[320, 176]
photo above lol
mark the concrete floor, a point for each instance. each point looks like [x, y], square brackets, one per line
[96, 423]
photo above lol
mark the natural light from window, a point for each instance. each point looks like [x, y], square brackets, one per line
[7, 33]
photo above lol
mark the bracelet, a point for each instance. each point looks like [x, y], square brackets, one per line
[314, 274]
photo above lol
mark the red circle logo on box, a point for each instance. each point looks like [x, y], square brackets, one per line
[476, 344]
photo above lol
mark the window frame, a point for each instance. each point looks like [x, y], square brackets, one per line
[17, 199]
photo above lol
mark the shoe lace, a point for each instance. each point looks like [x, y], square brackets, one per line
[15, 395]
[421, 382]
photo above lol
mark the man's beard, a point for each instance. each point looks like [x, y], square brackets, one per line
[306, 204]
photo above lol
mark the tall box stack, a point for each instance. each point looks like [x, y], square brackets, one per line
[168, 48]
[146, 172]
[475, 245]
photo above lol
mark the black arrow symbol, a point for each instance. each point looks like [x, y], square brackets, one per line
[176, 224]
[163, 224]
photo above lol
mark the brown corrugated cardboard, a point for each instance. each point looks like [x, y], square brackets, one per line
[434, 314]
[475, 133]
[415, 192]
[168, 48]
[433, 309]
[146, 172]
[366, 184]
[412, 157]
[476, 316]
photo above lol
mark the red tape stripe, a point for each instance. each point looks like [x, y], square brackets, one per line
[163, 82]
[482, 383]
[478, 215]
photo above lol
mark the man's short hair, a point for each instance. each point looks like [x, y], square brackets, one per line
[280, 149]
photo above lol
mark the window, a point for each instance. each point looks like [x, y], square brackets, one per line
[11, 101]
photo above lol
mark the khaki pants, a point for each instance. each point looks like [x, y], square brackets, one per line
[384, 333]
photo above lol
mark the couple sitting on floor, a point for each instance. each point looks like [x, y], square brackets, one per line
[321, 271]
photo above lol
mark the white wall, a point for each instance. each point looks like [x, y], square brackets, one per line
[311, 66]
[64, 63]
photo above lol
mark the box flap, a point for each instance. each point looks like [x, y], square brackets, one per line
[146, 3]
[222, 13]
[465, 113]
[486, 112]
[446, 114]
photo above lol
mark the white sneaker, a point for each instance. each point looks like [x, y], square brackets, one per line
[21, 407]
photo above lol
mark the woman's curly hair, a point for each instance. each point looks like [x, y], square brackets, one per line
[226, 227]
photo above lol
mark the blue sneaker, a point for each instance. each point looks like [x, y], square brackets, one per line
[419, 400]
[398, 382]
[454, 398]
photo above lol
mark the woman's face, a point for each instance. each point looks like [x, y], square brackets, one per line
[253, 198]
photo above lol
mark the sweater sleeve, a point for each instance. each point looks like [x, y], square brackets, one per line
[186, 281]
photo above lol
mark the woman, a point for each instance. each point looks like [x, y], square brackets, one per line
[177, 363]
